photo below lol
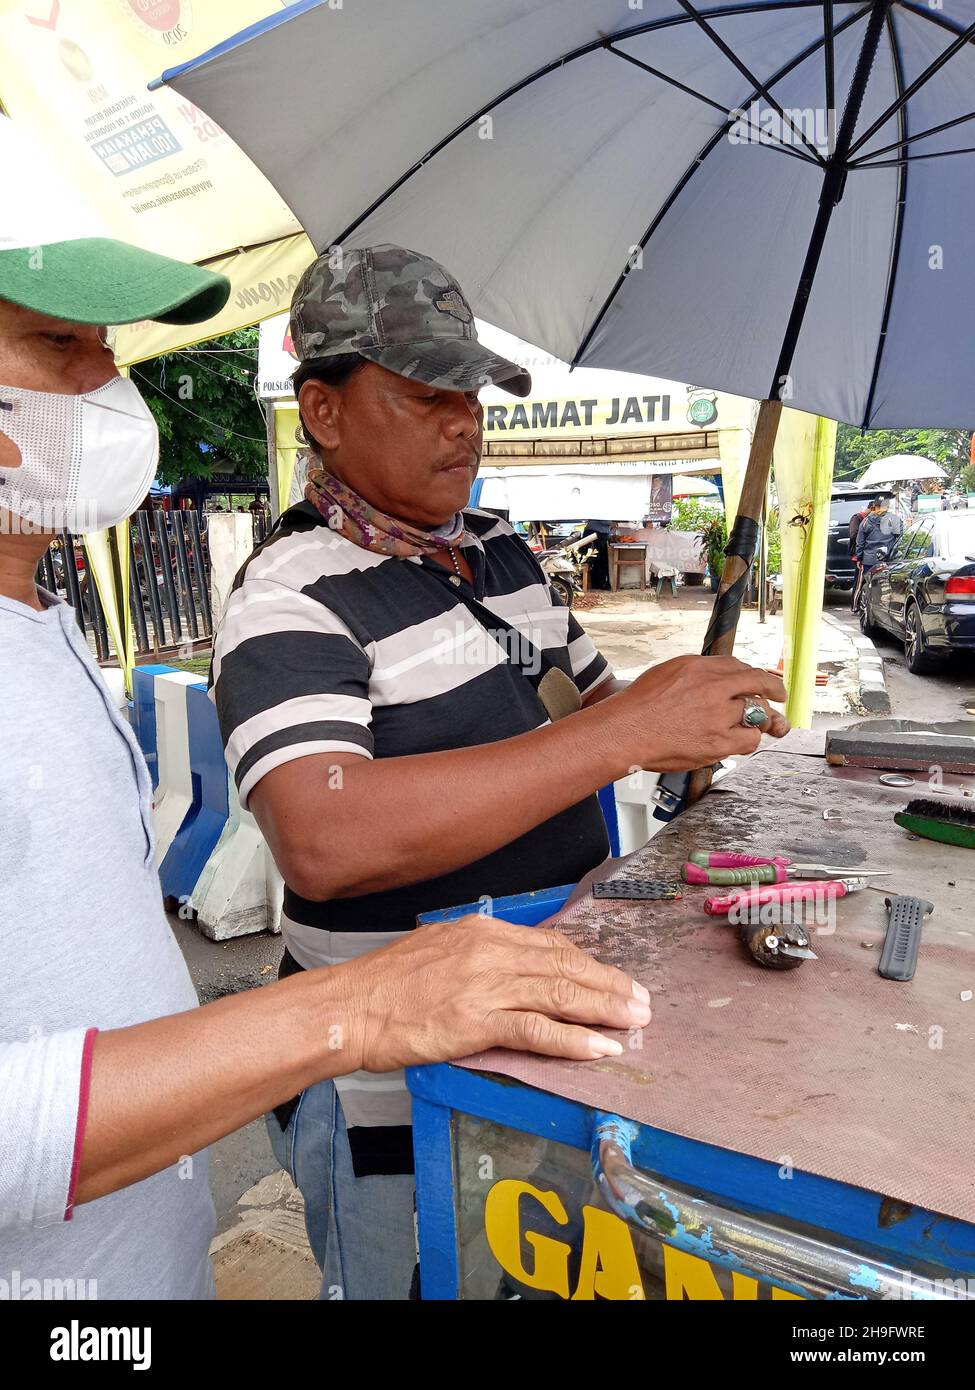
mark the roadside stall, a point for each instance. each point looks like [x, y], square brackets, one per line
[783, 1133]
[807, 1127]
[774, 1133]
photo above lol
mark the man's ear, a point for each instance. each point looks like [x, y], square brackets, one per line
[320, 406]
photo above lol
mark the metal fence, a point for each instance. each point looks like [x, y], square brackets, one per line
[169, 581]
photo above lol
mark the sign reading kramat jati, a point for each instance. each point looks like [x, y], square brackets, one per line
[588, 414]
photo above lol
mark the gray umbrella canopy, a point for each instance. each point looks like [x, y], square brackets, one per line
[649, 187]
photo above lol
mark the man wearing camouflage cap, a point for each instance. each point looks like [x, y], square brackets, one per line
[410, 714]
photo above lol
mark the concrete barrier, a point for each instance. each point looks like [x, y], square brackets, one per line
[174, 774]
[211, 855]
[230, 536]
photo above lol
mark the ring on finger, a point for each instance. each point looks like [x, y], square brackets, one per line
[754, 713]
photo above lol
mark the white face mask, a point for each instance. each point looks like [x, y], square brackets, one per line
[86, 461]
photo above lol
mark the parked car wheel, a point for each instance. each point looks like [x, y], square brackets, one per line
[867, 625]
[919, 663]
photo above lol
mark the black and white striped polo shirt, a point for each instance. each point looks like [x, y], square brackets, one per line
[326, 647]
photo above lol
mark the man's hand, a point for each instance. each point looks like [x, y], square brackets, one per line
[686, 713]
[448, 990]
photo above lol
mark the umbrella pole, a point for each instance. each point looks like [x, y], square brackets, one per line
[740, 550]
[739, 553]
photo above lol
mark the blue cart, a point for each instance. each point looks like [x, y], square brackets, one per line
[830, 1158]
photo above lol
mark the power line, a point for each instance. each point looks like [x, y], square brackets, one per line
[215, 352]
[222, 375]
[223, 429]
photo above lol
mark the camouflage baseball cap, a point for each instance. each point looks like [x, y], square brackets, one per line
[402, 310]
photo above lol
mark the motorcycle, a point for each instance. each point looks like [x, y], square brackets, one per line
[861, 601]
[562, 566]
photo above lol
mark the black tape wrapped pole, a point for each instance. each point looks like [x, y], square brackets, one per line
[677, 790]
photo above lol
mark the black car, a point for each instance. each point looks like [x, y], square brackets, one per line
[924, 593]
[845, 502]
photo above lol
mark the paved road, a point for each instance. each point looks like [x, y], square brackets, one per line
[948, 693]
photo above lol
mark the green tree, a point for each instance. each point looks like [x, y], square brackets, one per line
[203, 400]
[856, 449]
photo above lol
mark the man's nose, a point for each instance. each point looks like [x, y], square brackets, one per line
[93, 367]
[465, 418]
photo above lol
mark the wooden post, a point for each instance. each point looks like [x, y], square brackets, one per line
[751, 503]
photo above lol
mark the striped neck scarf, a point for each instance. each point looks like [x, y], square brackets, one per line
[355, 519]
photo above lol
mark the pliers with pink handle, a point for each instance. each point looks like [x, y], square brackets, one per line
[710, 867]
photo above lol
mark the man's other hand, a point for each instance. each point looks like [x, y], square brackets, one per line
[448, 990]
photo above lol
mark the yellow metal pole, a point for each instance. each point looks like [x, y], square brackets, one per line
[805, 481]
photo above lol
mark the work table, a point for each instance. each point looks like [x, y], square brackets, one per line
[828, 1068]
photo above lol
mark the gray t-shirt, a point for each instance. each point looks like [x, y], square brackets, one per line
[85, 944]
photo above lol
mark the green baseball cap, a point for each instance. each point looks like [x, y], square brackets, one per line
[56, 259]
[402, 310]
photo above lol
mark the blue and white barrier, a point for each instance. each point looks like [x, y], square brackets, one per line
[163, 733]
[211, 855]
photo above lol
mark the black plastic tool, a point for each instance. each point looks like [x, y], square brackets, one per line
[898, 959]
[645, 889]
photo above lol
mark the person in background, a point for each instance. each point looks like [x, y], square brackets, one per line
[599, 564]
[855, 522]
[875, 538]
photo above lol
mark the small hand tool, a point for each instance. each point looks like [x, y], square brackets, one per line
[713, 867]
[898, 959]
[643, 889]
[816, 893]
[777, 948]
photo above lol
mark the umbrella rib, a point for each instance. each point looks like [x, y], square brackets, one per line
[895, 250]
[692, 168]
[664, 77]
[922, 12]
[761, 89]
[865, 160]
[786, 149]
[733, 115]
[920, 81]
[911, 158]
[829, 54]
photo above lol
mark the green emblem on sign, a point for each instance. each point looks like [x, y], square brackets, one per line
[702, 411]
